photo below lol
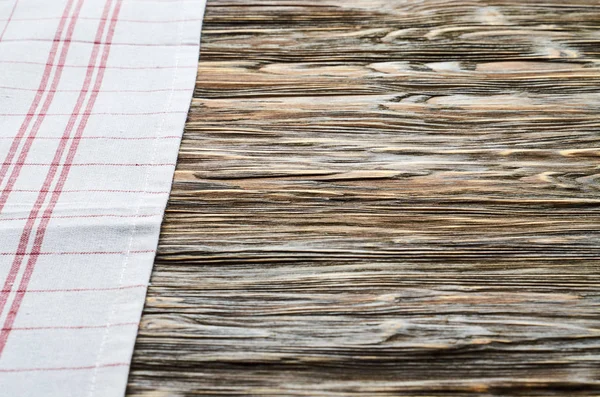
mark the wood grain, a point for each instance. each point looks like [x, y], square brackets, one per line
[383, 198]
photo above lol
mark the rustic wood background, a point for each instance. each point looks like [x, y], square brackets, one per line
[382, 198]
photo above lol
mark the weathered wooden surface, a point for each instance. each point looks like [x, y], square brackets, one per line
[380, 198]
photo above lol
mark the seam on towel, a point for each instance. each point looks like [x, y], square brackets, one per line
[169, 104]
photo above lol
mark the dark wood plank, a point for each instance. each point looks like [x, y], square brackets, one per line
[383, 197]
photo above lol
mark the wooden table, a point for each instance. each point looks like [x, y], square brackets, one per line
[383, 198]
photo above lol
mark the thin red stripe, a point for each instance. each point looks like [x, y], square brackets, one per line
[97, 113]
[86, 289]
[13, 62]
[70, 327]
[12, 151]
[10, 17]
[22, 253]
[74, 90]
[35, 39]
[109, 138]
[52, 172]
[86, 216]
[40, 117]
[120, 20]
[64, 368]
[97, 191]
[56, 164]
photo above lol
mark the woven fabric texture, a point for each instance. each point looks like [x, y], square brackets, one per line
[93, 100]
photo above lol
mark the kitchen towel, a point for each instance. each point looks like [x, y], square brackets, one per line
[93, 100]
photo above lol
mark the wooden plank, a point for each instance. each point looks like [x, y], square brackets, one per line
[380, 198]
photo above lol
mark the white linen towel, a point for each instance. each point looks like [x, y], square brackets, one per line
[93, 100]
